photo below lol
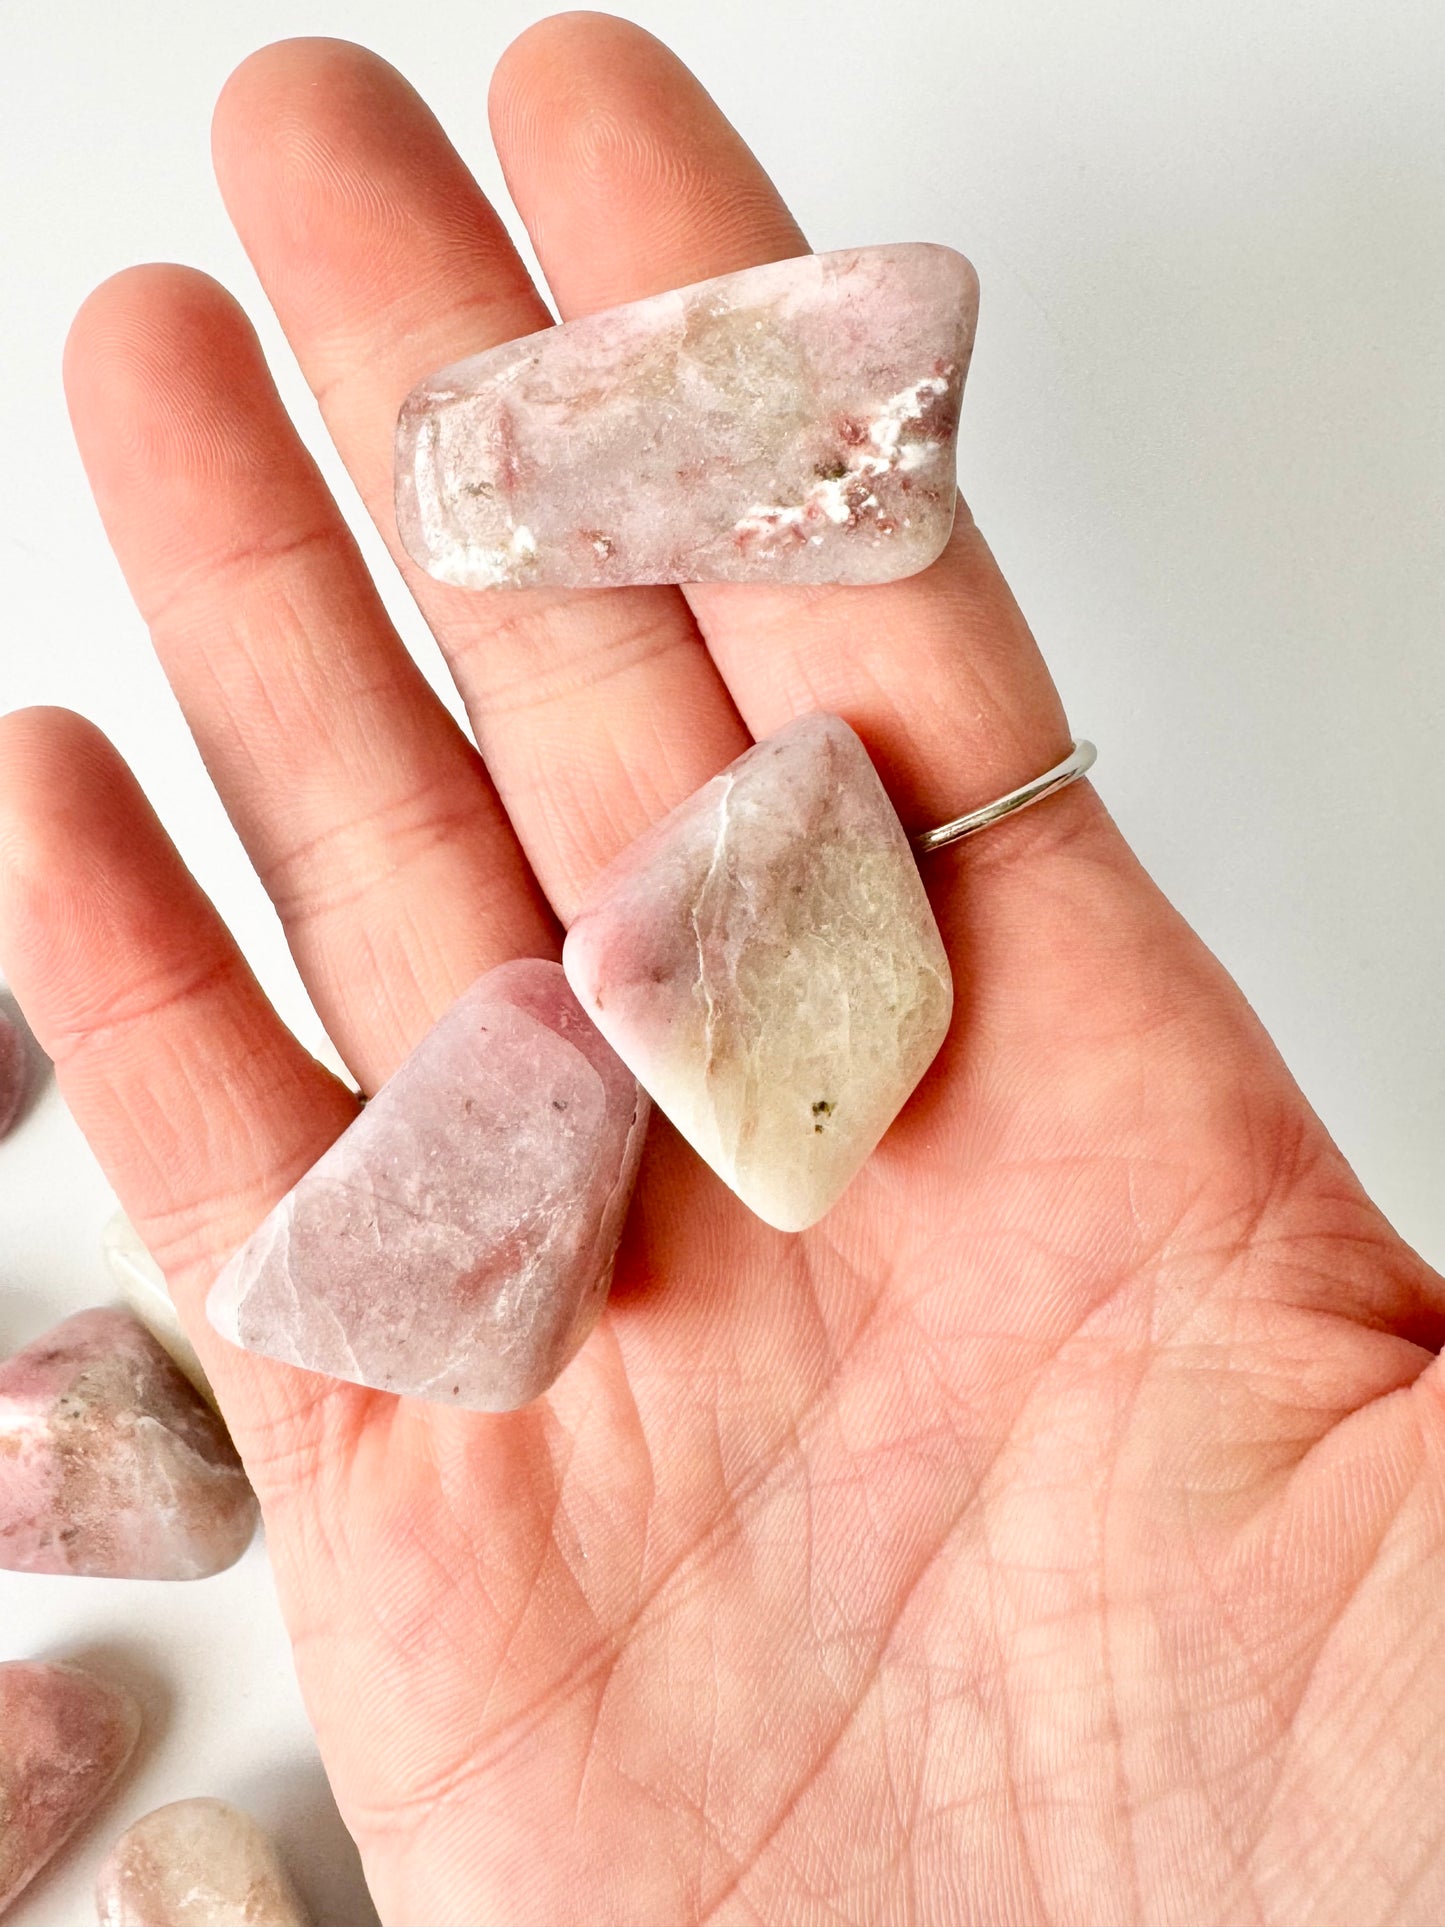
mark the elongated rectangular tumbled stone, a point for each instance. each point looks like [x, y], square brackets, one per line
[766, 961]
[456, 1242]
[789, 423]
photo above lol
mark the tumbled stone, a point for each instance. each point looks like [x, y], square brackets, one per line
[143, 1285]
[14, 1074]
[456, 1242]
[196, 1863]
[110, 1465]
[789, 423]
[766, 961]
[65, 1737]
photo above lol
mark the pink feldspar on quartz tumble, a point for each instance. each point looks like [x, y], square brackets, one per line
[788, 423]
[196, 1863]
[456, 1242]
[12, 1072]
[65, 1738]
[110, 1465]
[766, 961]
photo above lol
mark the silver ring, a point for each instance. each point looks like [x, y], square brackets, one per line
[1079, 759]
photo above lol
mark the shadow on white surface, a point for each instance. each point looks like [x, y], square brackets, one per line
[294, 1803]
[23, 1315]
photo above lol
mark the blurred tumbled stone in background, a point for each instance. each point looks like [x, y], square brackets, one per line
[196, 1863]
[65, 1737]
[14, 1072]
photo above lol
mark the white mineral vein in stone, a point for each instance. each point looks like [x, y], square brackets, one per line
[794, 422]
[835, 497]
[65, 1738]
[110, 1465]
[143, 1286]
[456, 1243]
[196, 1863]
[766, 961]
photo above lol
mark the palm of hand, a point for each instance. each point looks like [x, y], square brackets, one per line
[1038, 1538]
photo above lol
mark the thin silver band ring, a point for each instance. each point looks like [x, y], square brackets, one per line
[1079, 759]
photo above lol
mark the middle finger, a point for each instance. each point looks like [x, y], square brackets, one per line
[384, 261]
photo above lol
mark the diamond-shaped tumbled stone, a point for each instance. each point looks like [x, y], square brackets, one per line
[196, 1863]
[456, 1242]
[65, 1737]
[788, 423]
[766, 961]
[110, 1465]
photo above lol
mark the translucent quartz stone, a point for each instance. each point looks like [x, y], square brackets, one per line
[196, 1863]
[789, 423]
[456, 1242]
[766, 961]
[65, 1738]
[13, 1072]
[110, 1465]
[143, 1285]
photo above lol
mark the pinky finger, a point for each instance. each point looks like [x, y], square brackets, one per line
[200, 1105]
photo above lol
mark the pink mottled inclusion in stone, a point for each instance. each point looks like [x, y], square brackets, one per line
[110, 1465]
[766, 961]
[65, 1737]
[789, 423]
[456, 1242]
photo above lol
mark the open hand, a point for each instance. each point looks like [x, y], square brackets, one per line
[1054, 1534]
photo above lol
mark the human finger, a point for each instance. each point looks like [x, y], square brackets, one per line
[199, 1104]
[367, 814]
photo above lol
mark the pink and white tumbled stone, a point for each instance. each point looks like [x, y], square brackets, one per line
[765, 959]
[794, 422]
[110, 1465]
[65, 1738]
[456, 1242]
[196, 1863]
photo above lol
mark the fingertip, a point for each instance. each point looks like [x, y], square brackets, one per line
[292, 120]
[342, 183]
[307, 71]
[60, 777]
[148, 359]
[628, 174]
[576, 37]
[53, 765]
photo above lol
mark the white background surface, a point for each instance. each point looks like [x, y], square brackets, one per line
[1203, 431]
